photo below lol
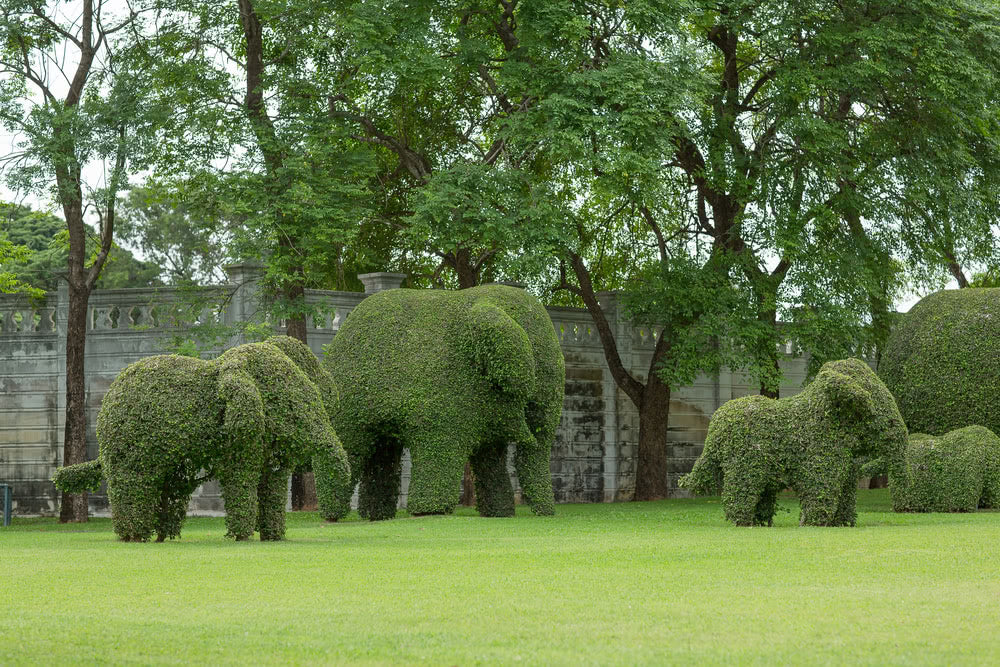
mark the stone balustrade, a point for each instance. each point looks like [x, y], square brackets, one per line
[594, 454]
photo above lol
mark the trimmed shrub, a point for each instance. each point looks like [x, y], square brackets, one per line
[757, 446]
[942, 361]
[956, 472]
[169, 423]
[454, 377]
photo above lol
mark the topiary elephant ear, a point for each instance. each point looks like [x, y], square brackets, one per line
[500, 349]
[243, 420]
[853, 400]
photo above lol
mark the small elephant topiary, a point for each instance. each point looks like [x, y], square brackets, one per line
[454, 377]
[757, 446]
[169, 423]
[956, 472]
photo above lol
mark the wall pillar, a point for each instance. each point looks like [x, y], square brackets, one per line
[60, 318]
[613, 453]
[243, 305]
[381, 281]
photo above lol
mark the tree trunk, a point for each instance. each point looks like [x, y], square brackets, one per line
[468, 487]
[296, 328]
[769, 355]
[466, 272]
[651, 463]
[298, 490]
[74, 505]
[296, 323]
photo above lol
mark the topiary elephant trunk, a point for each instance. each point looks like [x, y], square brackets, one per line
[248, 418]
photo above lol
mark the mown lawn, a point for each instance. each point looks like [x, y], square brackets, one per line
[646, 583]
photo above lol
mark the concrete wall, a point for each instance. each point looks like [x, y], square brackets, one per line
[594, 455]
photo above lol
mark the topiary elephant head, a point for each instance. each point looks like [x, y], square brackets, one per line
[169, 423]
[757, 446]
[454, 377]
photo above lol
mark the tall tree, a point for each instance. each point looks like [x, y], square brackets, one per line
[71, 95]
[762, 143]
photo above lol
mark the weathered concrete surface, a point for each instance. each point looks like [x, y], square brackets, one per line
[594, 455]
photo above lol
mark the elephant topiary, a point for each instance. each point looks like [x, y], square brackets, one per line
[942, 361]
[957, 472]
[757, 446]
[454, 377]
[169, 423]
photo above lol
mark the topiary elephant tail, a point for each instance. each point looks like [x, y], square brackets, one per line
[705, 478]
[86, 476]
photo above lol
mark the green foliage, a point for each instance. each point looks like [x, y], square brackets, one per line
[956, 472]
[46, 236]
[79, 478]
[988, 278]
[189, 249]
[455, 377]
[757, 446]
[10, 281]
[169, 423]
[942, 361]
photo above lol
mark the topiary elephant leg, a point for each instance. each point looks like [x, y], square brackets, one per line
[272, 492]
[766, 506]
[174, 499]
[436, 475]
[531, 461]
[847, 513]
[746, 481]
[239, 492]
[134, 502]
[494, 494]
[380, 473]
[335, 482]
[819, 502]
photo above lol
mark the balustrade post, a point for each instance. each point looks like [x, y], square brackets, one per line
[381, 281]
[243, 304]
[613, 420]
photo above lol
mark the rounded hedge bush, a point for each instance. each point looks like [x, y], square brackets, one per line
[942, 361]
[757, 446]
[454, 376]
[956, 472]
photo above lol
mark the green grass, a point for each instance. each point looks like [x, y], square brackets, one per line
[632, 583]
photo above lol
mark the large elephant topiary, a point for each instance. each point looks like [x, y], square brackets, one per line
[942, 361]
[757, 446]
[454, 376]
[169, 423]
[956, 472]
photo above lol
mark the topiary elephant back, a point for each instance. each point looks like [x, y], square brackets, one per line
[454, 377]
[757, 446]
[956, 472]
